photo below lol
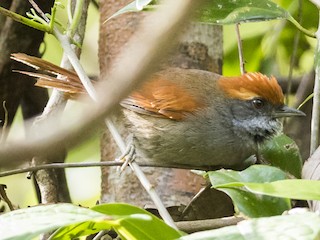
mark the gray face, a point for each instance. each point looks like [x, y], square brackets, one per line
[253, 120]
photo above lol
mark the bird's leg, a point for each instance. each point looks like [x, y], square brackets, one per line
[259, 160]
[127, 156]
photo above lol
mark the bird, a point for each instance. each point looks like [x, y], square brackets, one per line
[191, 117]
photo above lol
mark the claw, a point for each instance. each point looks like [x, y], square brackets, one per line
[129, 157]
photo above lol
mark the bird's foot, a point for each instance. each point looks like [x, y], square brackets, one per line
[127, 157]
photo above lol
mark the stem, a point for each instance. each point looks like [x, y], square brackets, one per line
[108, 163]
[75, 16]
[316, 99]
[64, 41]
[294, 53]
[302, 29]
[42, 14]
[240, 50]
[4, 131]
[25, 21]
[59, 166]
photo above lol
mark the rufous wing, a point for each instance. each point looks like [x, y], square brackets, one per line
[162, 98]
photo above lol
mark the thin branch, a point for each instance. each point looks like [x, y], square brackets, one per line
[105, 163]
[65, 44]
[59, 166]
[302, 29]
[4, 132]
[315, 121]
[240, 50]
[4, 197]
[24, 20]
[294, 54]
[207, 224]
[42, 14]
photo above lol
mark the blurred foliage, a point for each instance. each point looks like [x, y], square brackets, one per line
[268, 46]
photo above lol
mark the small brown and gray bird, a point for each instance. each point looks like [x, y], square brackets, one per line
[195, 118]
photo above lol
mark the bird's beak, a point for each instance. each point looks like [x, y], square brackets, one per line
[285, 111]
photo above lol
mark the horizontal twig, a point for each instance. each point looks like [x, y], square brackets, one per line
[87, 164]
[207, 224]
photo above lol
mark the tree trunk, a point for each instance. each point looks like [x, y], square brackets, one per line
[17, 88]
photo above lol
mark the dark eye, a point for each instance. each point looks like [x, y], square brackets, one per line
[258, 103]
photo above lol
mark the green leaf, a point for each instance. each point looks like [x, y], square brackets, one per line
[73, 221]
[297, 226]
[30, 222]
[235, 11]
[136, 223]
[80, 229]
[290, 188]
[246, 202]
[225, 233]
[135, 6]
[283, 152]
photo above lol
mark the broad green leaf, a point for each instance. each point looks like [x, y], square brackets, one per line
[255, 173]
[246, 202]
[137, 223]
[290, 227]
[226, 233]
[290, 188]
[235, 11]
[135, 6]
[73, 221]
[283, 152]
[28, 223]
[80, 229]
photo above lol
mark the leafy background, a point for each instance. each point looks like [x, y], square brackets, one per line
[272, 42]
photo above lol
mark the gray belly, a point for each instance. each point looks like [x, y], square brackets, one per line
[166, 142]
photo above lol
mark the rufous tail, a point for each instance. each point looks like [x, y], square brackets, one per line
[50, 75]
